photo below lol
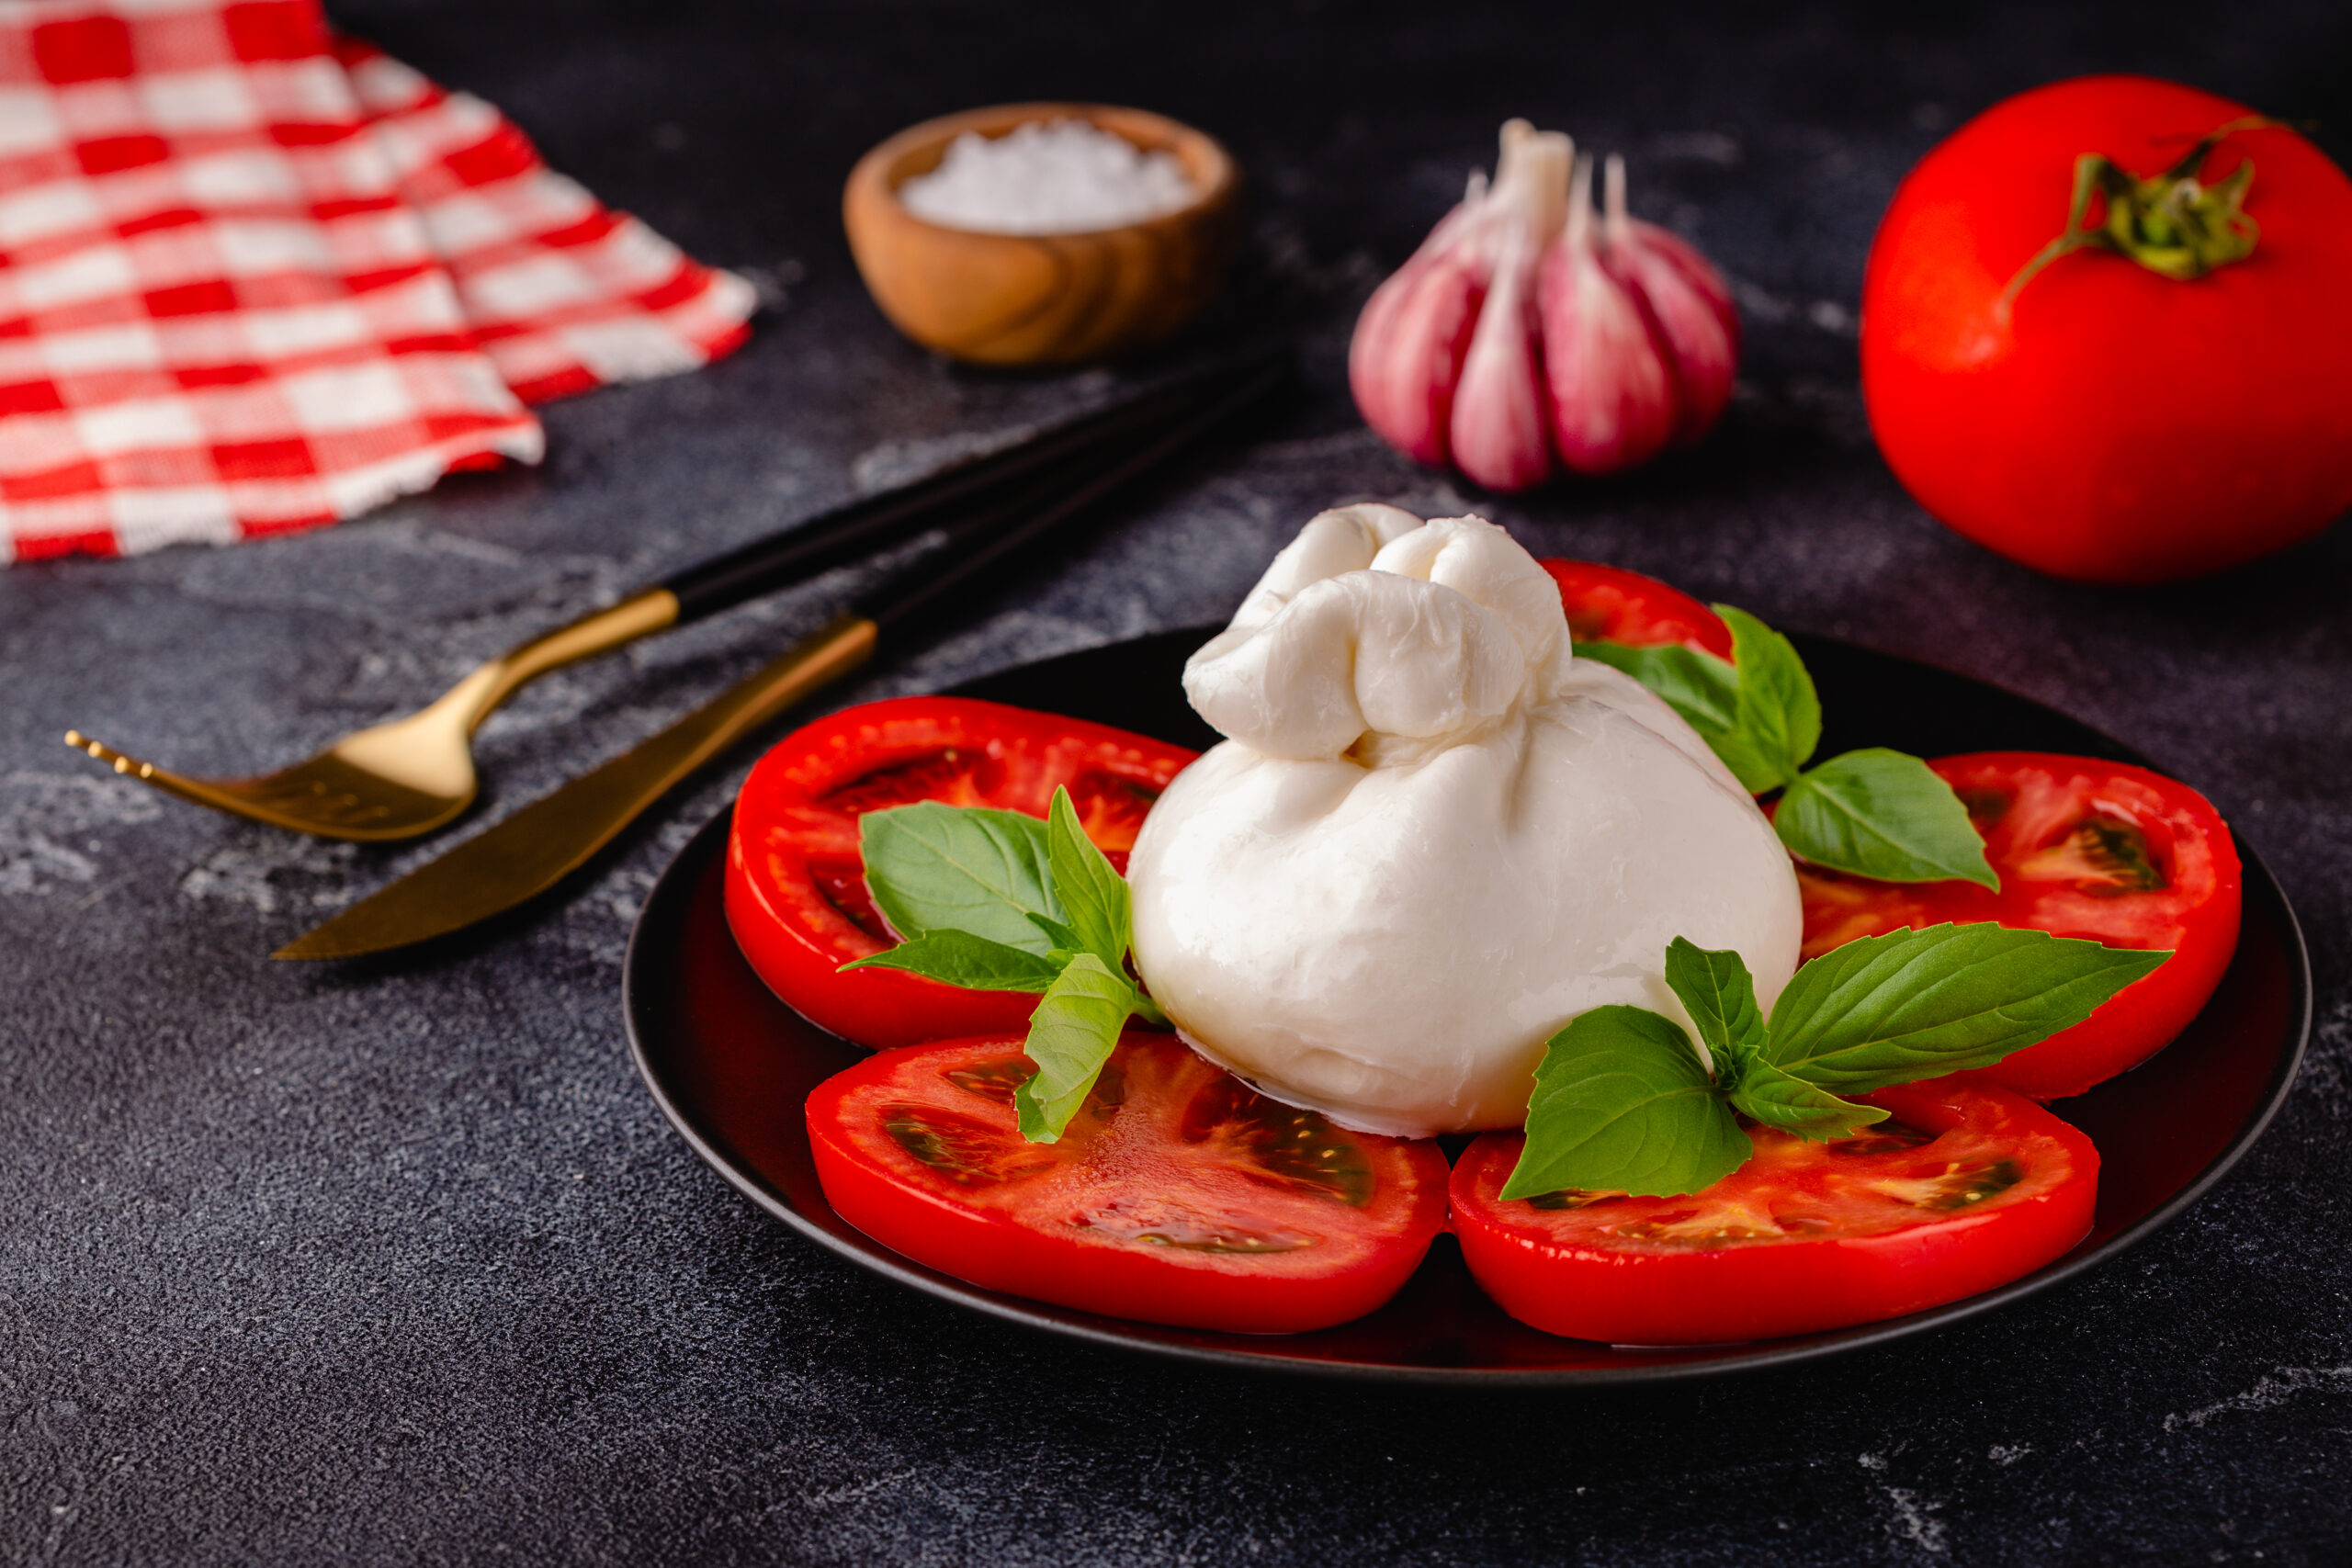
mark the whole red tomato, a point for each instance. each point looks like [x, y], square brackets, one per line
[2112, 424]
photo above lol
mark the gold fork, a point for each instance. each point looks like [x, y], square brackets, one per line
[405, 778]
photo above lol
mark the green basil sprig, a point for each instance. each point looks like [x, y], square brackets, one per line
[1624, 1103]
[1000, 901]
[1875, 812]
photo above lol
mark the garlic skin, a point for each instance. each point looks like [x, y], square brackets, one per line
[1430, 303]
[1613, 389]
[1523, 337]
[1433, 836]
[1495, 424]
[1688, 304]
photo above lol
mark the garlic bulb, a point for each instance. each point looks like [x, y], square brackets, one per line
[1529, 333]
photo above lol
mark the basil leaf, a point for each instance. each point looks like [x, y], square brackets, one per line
[1094, 897]
[1916, 1004]
[1767, 1094]
[959, 958]
[1777, 719]
[1071, 1036]
[1065, 941]
[1701, 687]
[1883, 814]
[1721, 996]
[934, 867]
[1760, 711]
[1622, 1105]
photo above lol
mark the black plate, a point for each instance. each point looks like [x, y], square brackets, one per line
[731, 1065]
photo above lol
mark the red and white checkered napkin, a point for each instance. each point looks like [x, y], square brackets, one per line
[254, 278]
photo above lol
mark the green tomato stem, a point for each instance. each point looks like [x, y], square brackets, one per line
[2172, 223]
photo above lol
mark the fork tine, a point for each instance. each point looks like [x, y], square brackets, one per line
[105, 753]
[201, 791]
[316, 795]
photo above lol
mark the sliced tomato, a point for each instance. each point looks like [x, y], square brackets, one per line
[1617, 605]
[1966, 1187]
[1178, 1194]
[796, 884]
[2084, 849]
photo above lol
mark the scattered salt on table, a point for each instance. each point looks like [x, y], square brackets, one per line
[1059, 177]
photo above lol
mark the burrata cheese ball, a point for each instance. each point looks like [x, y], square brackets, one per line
[1434, 835]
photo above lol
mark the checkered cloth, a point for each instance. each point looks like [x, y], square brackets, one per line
[255, 278]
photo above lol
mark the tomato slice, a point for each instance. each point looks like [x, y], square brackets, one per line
[1617, 605]
[1178, 1194]
[1966, 1187]
[2084, 849]
[796, 886]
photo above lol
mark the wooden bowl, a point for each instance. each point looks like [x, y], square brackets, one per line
[1040, 298]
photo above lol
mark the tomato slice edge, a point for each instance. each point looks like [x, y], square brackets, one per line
[793, 896]
[1026, 1246]
[1619, 604]
[2196, 913]
[1699, 1294]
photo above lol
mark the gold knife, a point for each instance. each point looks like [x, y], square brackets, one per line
[539, 845]
[527, 853]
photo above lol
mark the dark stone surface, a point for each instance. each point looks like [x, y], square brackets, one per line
[401, 1265]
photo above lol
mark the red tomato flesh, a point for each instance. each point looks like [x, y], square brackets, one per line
[1614, 604]
[2084, 849]
[2118, 425]
[796, 884]
[1176, 1195]
[1967, 1187]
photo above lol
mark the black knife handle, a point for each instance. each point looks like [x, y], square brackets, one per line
[861, 527]
[986, 539]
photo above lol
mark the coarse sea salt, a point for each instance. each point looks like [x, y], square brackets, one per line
[1046, 177]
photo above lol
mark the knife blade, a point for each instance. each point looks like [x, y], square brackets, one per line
[536, 848]
[525, 854]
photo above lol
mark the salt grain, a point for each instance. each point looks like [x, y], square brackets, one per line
[1059, 177]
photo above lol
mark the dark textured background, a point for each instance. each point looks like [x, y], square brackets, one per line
[400, 1264]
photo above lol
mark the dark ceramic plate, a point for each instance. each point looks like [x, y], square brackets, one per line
[731, 1065]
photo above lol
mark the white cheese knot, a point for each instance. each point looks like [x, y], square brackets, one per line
[1361, 656]
[1434, 835]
